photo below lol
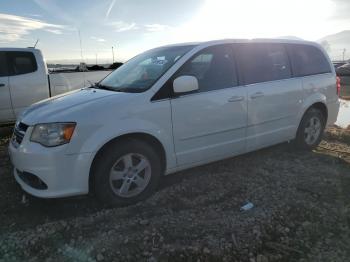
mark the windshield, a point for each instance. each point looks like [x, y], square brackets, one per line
[142, 71]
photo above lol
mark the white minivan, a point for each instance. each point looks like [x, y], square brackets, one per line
[172, 108]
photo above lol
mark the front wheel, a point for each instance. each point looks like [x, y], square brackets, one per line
[310, 130]
[126, 172]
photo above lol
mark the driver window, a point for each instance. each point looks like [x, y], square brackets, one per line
[213, 67]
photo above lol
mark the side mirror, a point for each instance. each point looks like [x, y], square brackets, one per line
[183, 84]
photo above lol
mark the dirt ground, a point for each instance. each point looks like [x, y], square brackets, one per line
[301, 213]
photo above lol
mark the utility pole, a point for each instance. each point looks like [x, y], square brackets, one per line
[81, 48]
[344, 51]
[113, 55]
[96, 58]
[116, 51]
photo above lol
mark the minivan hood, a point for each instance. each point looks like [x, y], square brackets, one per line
[46, 110]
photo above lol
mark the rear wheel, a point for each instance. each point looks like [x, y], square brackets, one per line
[126, 172]
[311, 129]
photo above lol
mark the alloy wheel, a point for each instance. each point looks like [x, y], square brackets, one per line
[130, 175]
[312, 130]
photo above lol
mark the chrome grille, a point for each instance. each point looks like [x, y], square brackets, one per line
[19, 132]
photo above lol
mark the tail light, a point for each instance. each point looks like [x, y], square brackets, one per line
[338, 86]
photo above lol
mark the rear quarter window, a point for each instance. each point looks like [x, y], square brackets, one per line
[307, 60]
[21, 62]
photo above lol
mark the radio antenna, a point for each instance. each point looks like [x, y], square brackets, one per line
[36, 42]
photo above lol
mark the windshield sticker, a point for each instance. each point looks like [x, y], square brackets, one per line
[159, 61]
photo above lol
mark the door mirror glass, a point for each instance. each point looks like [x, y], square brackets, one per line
[183, 84]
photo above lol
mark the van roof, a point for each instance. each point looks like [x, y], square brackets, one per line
[256, 40]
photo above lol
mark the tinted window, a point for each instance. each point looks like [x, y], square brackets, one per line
[3, 64]
[307, 60]
[21, 63]
[213, 67]
[262, 62]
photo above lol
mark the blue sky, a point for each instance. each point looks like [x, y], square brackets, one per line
[132, 26]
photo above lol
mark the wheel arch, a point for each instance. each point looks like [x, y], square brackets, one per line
[317, 105]
[320, 105]
[316, 100]
[145, 137]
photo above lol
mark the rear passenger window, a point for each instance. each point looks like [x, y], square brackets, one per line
[260, 62]
[213, 67]
[307, 60]
[21, 63]
[3, 64]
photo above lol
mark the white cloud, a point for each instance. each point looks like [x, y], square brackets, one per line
[35, 15]
[121, 26]
[98, 39]
[54, 31]
[13, 27]
[110, 9]
[55, 10]
[156, 27]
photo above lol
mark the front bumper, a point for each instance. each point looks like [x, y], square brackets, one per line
[64, 174]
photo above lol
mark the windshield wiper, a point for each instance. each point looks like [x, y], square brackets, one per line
[115, 89]
[99, 86]
[128, 89]
[104, 87]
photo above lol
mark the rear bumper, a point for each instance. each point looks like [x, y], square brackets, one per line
[64, 175]
[333, 110]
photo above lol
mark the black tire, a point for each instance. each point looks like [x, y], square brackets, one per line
[107, 159]
[301, 140]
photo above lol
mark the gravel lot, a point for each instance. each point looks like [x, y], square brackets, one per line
[301, 213]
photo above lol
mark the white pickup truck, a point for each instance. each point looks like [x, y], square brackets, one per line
[24, 80]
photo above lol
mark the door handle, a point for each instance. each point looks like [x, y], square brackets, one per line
[236, 98]
[2, 84]
[257, 95]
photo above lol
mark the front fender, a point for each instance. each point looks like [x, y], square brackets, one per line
[106, 133]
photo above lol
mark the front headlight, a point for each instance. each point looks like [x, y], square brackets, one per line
[52, 134]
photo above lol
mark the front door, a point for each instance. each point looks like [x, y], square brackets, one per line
[210, 123]
[6, 112]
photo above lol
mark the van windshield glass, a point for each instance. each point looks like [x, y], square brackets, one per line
[142, 71]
